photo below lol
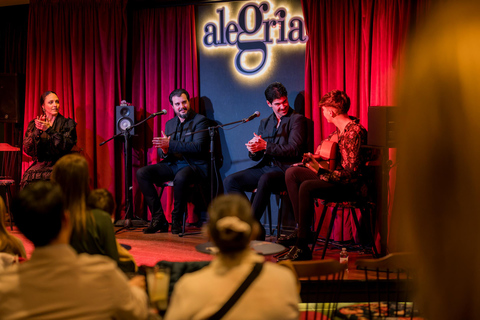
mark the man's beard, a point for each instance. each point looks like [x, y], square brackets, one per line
[184, 115]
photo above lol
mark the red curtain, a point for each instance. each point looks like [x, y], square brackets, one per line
[356, 46]
[164, 52]
[77, 48]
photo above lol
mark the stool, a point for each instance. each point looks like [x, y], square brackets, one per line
[185, 213]
[351, 205]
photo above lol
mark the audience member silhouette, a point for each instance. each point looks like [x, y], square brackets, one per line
[102, 199]
[93, 230]
[198, 295]
[11, 248]
[435, 211]
[58, 283]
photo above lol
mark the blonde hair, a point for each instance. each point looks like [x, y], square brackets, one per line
[71, 173]
[231, 223]
[439, 157]
[8, 243]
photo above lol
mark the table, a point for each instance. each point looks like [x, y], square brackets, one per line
[262, 247]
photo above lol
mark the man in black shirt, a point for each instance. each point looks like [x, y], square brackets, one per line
[280, 142]
[184, 161]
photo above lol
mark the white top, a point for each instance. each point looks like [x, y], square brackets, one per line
[58, 283]
[272, 295]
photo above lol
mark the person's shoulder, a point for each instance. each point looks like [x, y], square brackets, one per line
[281, 274]
[97, 213]
[271, 116]
[7, 263]
[270, 266]
[297, 116]
[355, 125]
[96, 263]
[197, 117]
[65, 120]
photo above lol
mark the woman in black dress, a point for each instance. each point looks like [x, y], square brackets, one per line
[48, 138]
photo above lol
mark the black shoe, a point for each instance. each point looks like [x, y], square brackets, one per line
[288, 240]
[197, 224]
[176, 227]
[156, 225]
[297, 254]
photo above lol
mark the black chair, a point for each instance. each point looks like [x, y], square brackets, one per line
[390, 285]
[366, 208]
[194, 188]
[321, 282]
[216, 187]
[9, 161]
[282, 198]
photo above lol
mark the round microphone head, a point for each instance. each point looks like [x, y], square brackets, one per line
[257, 113]
[164, 111]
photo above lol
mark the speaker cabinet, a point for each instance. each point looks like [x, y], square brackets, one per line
[12, 97]
[124, 118]
[382, 126]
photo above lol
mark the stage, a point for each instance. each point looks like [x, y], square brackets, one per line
[148, 249]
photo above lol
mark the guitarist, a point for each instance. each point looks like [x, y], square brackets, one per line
[313, 179]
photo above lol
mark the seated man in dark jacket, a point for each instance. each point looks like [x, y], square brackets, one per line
[280, 142]
[184, 161]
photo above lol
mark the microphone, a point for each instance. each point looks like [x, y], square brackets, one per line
[159, 113]
[253, 116]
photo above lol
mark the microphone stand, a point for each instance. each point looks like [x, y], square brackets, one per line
[212, 132]
[127, 153]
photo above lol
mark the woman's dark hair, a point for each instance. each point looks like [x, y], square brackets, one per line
[44, 95]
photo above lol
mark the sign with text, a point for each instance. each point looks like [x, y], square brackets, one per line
[257, 29]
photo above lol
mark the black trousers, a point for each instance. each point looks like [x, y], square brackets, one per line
[182, 175]
[303, 186]
[266, 179]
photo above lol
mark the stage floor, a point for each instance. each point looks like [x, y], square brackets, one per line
[148, 249]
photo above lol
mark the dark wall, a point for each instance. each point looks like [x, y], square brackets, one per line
[229, 96]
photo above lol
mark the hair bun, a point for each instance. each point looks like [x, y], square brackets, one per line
[226, 225]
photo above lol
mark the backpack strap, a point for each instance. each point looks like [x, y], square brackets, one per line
[234, 298]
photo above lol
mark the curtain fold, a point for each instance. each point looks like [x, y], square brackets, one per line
[164, 58]
[77, 48]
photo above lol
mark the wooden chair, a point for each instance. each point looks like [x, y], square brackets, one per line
[321, 282]
[390, 285]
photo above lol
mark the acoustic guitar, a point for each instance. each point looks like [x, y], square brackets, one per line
[326, 154]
